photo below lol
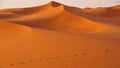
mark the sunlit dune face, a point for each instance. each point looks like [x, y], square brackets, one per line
[59, 16]
[62, 18]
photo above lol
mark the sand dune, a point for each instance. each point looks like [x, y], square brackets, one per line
[62, 18]
[60, 36]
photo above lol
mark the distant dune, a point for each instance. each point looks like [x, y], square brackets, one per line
[55, 35]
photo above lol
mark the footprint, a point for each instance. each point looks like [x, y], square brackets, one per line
[22, 63]
[57, 57]
[31, 61]
[12, 64]
[47, 58]
[84, 54]
[76, 55]
[66, 65]
[107, 50]
[67, 55]
[39, 60]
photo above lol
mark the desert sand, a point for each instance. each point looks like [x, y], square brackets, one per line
[60, 36]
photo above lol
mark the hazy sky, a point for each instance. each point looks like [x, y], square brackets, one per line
[77, 3]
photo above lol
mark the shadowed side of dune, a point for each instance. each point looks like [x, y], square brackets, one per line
[108, 15]
[9, 27]
[59, 20]
[58, 17]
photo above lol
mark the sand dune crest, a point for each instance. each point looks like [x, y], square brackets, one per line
[62, 18]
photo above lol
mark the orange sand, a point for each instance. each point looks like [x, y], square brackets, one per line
[59, 36]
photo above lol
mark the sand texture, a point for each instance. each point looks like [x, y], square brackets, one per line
[60, 36]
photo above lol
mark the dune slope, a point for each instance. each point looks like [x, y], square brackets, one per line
[60, 16]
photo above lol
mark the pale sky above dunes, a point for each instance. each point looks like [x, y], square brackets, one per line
[77, 3]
